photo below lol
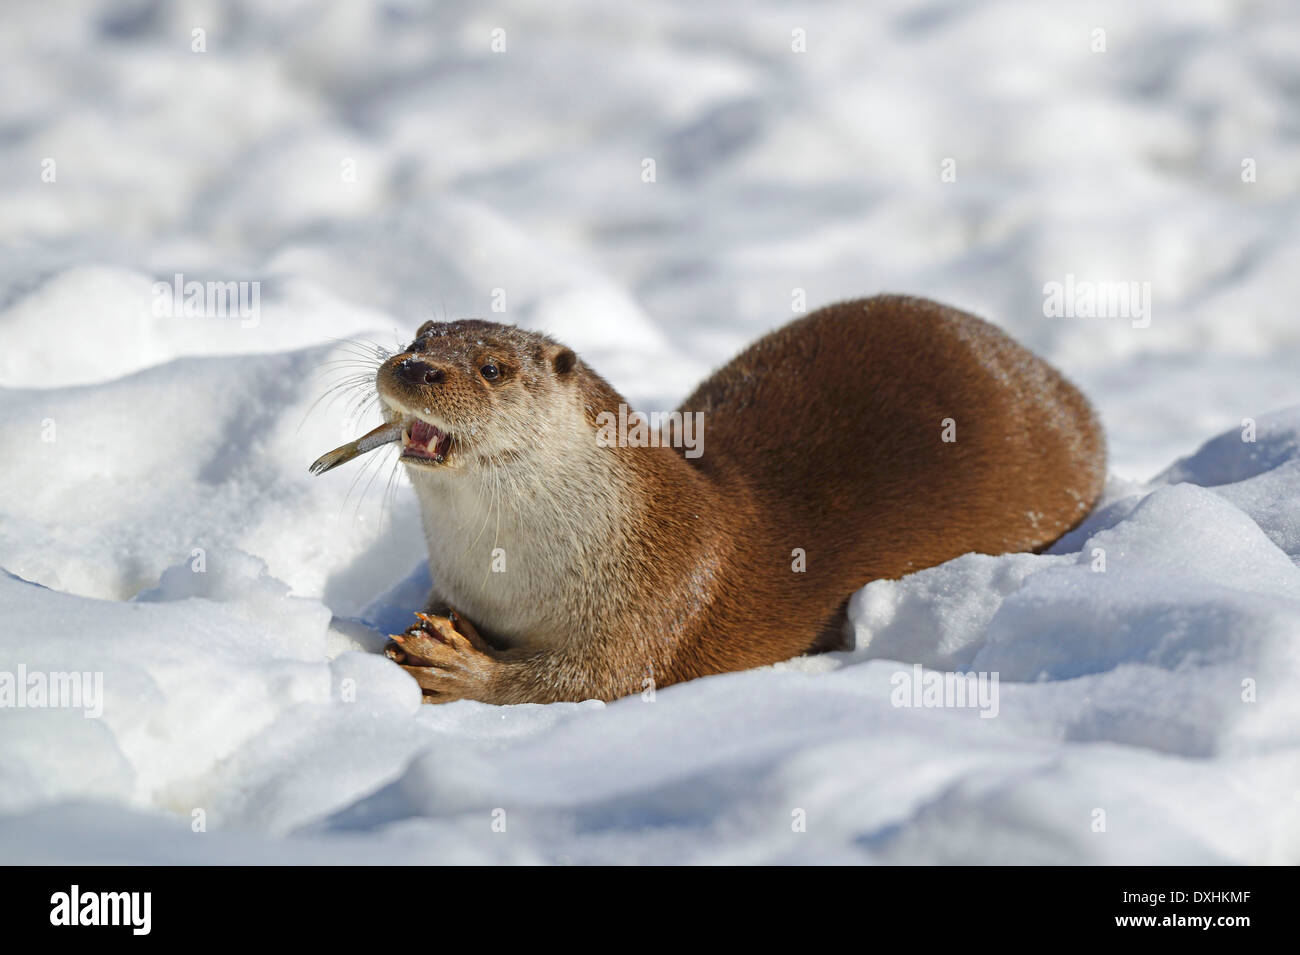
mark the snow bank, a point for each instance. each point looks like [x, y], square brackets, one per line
[370, 167]
[1145, 672]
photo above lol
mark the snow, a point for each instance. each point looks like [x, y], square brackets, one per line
[372, 166]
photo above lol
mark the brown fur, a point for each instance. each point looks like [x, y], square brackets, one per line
[642, 567]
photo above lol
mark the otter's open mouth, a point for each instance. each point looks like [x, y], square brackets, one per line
[422, 441]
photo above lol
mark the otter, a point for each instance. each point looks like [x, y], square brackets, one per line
[865, 440]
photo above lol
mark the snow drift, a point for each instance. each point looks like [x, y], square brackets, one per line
[371, 167]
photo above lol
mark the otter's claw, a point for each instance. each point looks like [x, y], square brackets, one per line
[448, 663]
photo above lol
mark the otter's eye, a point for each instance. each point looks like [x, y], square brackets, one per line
[490, 371]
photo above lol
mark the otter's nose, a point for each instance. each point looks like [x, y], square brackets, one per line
[418, 372]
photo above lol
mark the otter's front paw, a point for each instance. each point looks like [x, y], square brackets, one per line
[446, 656]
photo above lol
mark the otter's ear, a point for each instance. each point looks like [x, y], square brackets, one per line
[423, 329]
[562, 359]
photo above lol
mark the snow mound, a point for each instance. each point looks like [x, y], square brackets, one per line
[657, 199]
[1145, 672]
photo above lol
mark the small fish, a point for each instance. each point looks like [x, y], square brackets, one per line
[384, 434]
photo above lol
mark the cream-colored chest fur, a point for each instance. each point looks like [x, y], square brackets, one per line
[518, 556]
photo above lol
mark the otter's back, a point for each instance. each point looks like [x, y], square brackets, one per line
[835, 426]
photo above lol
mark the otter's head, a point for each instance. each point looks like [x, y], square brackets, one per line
[470, 392]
